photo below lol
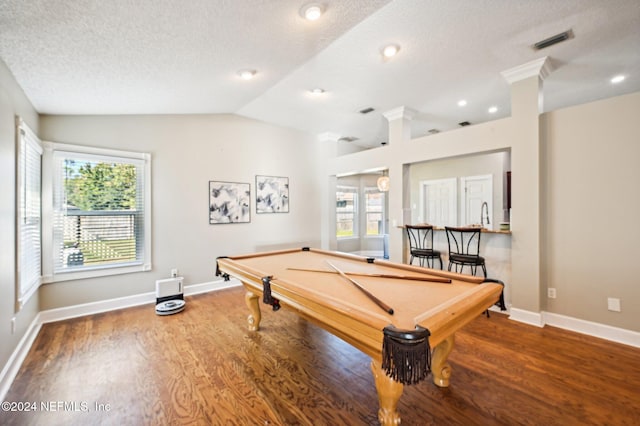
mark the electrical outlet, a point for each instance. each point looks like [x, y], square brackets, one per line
[613, 304]
[13, 325]
[174, 273]
[551, 293]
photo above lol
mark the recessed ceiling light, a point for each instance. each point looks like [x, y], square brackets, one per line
[493, 109]
[618, 79]
[247, 74]
[390, 50]
[462, 102]
[311, 12]
[316, 91]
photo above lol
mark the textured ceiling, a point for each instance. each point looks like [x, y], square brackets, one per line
[179, 57]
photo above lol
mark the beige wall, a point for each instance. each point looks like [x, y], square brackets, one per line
[187, 152]
[591, 208]
[13, 102]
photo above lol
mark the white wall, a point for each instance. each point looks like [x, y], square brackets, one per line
[12, 102]
[187, 152]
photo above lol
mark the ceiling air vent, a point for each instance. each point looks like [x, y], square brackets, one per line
[558, 38]
[347, 139]
[366, 110]
[464, 123]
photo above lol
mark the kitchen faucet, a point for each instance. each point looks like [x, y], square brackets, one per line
[484, 204]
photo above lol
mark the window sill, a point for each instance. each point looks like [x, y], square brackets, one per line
[94, 273]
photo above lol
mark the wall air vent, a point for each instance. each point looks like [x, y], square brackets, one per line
[347, 139]
[558, 38]
[464, 123]
[366, 110]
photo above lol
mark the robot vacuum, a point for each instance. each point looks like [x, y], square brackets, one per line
[169, 296]
[170, 307]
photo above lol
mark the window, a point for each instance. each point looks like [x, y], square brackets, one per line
[28, 213]
[100, 212]
[346, 208]
[374, 211]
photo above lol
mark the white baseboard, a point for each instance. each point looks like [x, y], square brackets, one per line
[603, 331]
[51, 315]
[59, 314]
[68, 312]
[190, 290]
[17, 357]
[527, 317]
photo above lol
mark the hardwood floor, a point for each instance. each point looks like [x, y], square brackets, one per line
[202, 367]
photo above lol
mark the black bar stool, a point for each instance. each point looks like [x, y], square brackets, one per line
[421, 245]
[464, 249]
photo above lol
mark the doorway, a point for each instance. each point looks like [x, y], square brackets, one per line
[438, 202]
[477, 190]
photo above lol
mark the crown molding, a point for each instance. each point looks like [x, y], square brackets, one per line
[539, 67]
[400, 112]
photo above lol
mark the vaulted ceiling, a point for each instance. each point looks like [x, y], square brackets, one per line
[183, 57]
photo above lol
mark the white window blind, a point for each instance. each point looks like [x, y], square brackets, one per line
[100, 212]
[374, 211]
[346, 211]
[29, 212]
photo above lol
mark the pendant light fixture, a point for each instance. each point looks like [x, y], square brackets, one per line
[383, 182]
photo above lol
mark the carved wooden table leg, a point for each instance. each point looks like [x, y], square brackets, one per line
[389, 392]
[440, 368]
[252, 301]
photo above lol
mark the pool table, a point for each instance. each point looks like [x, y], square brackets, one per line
[404, 317]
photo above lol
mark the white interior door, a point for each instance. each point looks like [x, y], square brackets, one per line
[438, 202]
[476, 191]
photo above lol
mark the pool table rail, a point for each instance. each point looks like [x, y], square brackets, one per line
[347, 319]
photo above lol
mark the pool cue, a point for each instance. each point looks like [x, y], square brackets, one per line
[364, 274]
[377, 301]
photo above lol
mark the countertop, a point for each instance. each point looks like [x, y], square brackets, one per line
[483, 230]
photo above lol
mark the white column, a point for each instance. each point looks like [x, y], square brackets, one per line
[399, 133]
[526, 107]
[399, 124]
[327, 147]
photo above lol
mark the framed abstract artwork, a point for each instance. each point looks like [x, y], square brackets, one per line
[229, 202]
[272, 194]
